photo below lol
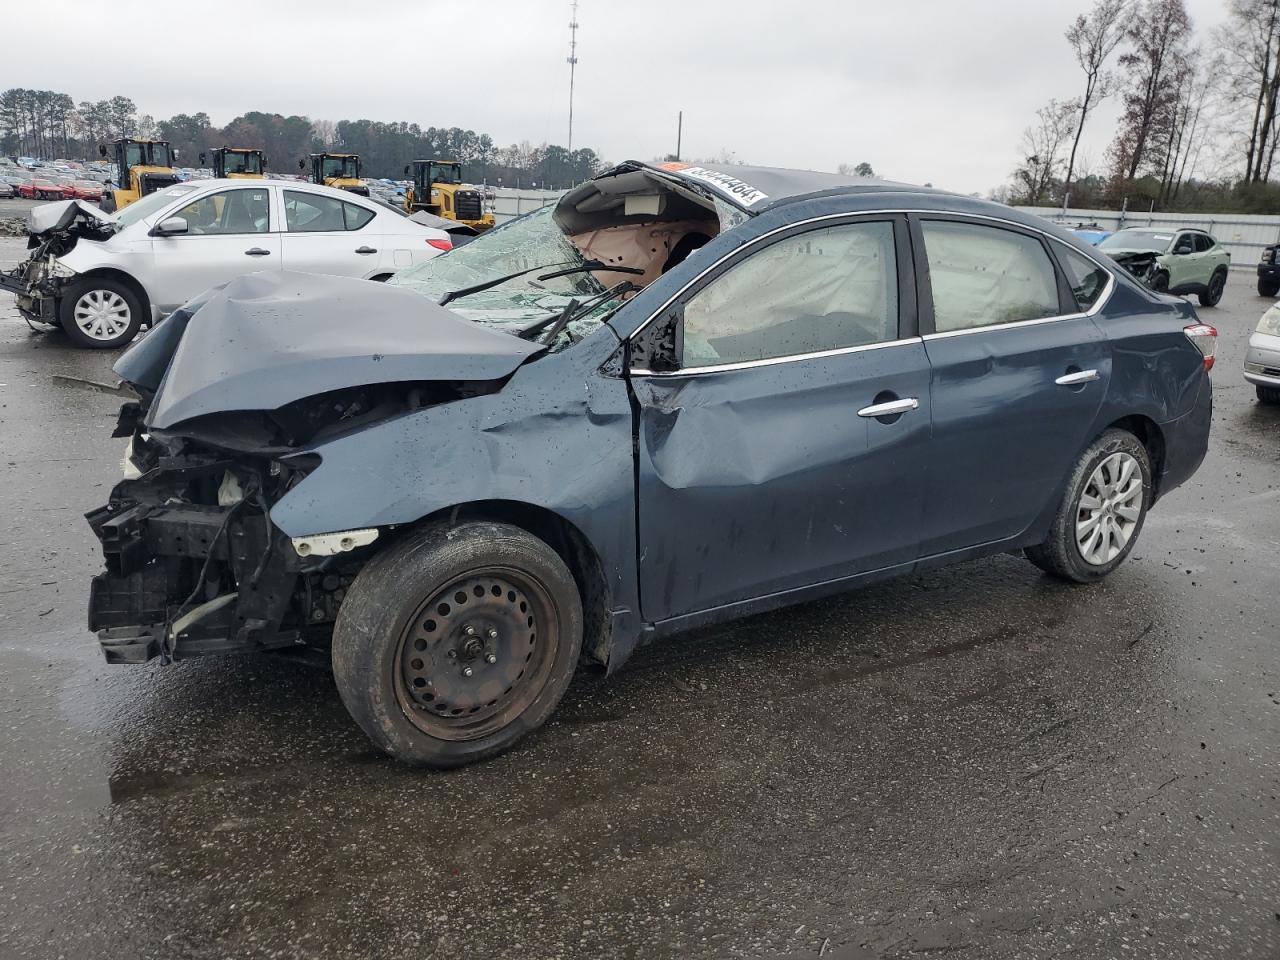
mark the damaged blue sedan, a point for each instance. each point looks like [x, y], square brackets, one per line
[679, 396]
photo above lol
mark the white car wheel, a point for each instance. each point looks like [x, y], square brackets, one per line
[102, 314]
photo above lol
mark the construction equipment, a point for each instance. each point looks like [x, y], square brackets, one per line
[238, 163]
[438, 188]
[142, 167]
[341, 170]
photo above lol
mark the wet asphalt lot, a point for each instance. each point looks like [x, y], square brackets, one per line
[979, 762]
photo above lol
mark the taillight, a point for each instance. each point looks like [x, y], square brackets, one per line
[440, 244]
[1205, 338]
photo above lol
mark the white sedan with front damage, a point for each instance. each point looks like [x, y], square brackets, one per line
[102, 276]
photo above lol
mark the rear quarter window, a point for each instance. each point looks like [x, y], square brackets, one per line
[1087, 280]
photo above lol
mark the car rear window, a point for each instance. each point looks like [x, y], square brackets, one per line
[984, 276]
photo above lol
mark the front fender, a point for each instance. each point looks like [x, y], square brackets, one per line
[557, 436]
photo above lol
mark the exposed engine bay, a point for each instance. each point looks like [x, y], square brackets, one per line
[53, 229]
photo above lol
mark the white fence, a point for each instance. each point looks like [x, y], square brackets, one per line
[1242, 234]
[509, 202]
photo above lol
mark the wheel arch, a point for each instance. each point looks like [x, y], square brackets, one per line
[1151, 437]
[569, 543]
[113, 273]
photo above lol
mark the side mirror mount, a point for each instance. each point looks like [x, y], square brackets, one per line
[659, 348]
[173, 227]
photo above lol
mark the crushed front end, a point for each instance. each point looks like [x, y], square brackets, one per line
[53, 230]
[193, 563]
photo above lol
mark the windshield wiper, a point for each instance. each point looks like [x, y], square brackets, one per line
[573, 310]
[585, 266]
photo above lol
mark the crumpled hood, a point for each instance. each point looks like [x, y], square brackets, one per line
[58, 217]
[268, 339]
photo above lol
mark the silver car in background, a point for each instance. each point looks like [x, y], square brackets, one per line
[1262, 362]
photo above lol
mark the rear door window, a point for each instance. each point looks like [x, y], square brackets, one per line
[986, 276]
[1204, 242]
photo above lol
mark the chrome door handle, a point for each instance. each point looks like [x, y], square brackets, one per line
[1077, 378]
[257, 252]
[365, 250]
[890, 409]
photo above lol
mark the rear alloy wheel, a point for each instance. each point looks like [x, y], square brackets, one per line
[1268, 288]
[100, 313]
[1268, 394]
[456, 642]
[1213, 293]
[1102, 511]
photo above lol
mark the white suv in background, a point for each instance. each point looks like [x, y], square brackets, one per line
[103, 275]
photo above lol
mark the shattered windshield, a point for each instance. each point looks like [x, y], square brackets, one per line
[533, 240]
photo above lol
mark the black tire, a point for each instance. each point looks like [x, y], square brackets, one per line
[1212, 295]
[401, 644]
[1268, 288]
[107, 287]
[1160, 282]
[1268, 394]
[1060, 555]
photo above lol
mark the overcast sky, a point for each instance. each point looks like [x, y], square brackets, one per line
[925, 90]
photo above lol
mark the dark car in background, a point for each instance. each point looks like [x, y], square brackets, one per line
[1269, 271]
[681, 396]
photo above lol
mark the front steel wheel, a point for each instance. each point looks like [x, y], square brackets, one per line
[1101, 512]
[457, 641]
[475, 654]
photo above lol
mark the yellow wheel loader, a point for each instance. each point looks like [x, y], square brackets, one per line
[142, 167]
[238, 163]
[341, 170]
[438, 188]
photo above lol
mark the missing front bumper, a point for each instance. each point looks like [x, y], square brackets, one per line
[186, 580]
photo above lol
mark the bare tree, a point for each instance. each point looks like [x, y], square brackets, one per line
[1157, 36]
[1043, 144]
[1250, 41]
[1094, 38]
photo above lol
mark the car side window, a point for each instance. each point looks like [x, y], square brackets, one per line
[230, 211]
[821, 290]
[1204, 242]
[1184, 244]
[1086, 279]
[984, 276]
[312, 212]
[355, 217]
[316, 213]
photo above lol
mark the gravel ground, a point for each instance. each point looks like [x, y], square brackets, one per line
[980, 762]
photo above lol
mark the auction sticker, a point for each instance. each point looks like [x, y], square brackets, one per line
[732, 187]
